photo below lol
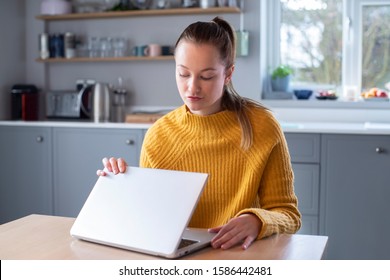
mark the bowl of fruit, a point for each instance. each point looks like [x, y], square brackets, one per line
[326, 95]
[375, 94]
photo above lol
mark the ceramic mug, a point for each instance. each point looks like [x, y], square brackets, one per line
[152, 50]
[139, 50]
[167, 50]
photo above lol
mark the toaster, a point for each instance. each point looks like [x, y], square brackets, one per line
[68, 103]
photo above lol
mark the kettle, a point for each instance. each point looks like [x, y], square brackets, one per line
[101, 103]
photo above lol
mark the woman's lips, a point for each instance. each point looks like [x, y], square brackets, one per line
[194, 98]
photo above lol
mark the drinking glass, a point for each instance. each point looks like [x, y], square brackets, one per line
[94, 47]
[120, 46]
[105, 47]
[222, 3]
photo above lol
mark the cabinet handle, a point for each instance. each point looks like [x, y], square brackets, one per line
[130, 142]
[39, 139]
[379, 150]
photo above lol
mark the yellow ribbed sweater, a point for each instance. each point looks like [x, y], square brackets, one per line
[257, 181]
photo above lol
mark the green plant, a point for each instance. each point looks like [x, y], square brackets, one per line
[281, 71]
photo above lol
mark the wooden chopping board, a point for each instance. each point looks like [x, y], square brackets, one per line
[142, 118]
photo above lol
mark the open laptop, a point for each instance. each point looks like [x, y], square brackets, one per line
[144, 210]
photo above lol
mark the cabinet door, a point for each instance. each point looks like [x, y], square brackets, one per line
[305, 157]
[306, 185]
[309, 225]
[304, 148]
[25, 172]
[78, 154]
[355, 196]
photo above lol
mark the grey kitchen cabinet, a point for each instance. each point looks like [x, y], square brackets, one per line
[26, 172]
[355, 195]
[305, 157]
[78, 154]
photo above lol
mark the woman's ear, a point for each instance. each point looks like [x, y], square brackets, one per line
[229, 74]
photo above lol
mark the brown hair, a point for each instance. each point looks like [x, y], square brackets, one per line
[221, 35]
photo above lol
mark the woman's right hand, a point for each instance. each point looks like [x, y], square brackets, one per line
[113, 165]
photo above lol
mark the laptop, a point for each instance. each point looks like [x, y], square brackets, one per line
[144, 210]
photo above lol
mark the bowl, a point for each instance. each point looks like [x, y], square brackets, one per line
[326, 95]
[55, 7]
[303, 93]
[143, 4]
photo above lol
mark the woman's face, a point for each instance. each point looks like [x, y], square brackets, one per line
[200, 77]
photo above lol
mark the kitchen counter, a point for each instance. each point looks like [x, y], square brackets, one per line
[369, 128]
[77, 124]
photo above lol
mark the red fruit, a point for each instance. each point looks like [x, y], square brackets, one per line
[381, 94]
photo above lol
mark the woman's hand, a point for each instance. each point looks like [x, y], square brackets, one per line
[244, 228]
[113, 165]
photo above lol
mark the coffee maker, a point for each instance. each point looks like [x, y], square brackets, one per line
[24, 102]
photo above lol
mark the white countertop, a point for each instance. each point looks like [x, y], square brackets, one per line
[77, 124]
[369, 128]
[374, 128]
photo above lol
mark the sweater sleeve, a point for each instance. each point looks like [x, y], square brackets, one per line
[277, 205]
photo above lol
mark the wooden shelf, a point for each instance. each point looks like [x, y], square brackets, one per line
[123, 14]
[137, 13]
[106, 59]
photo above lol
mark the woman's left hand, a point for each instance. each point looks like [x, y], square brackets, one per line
[244, 228]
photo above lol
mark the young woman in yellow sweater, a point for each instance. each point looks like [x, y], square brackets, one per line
[238, 142]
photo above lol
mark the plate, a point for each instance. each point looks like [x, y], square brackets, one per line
[377, 99]
[326, 97]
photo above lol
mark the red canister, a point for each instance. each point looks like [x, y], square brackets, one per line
[24, 102]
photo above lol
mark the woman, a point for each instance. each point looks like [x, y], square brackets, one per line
[250, 193]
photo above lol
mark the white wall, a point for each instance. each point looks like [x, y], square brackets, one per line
[12, 51]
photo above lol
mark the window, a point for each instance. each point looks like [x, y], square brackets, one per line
[375, 57]
[331, 43]
[311, 40]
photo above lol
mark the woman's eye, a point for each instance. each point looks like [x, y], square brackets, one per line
[183, 75]
[206, 78]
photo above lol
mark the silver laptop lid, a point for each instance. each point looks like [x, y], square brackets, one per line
[144, 210]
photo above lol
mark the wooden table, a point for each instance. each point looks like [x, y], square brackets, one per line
[47, 237]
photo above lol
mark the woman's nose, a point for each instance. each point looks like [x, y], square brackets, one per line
[193, 85]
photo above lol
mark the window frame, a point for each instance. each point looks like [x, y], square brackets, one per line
[357, 30]
[351, 68]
